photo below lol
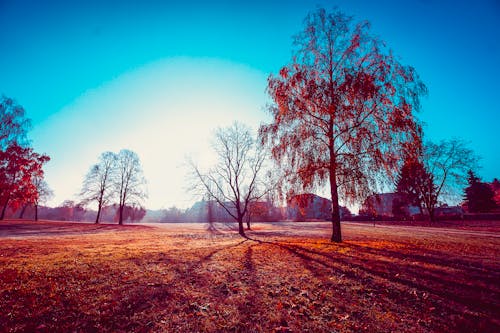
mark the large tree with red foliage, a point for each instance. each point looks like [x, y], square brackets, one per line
[19, 169]
[342, 108]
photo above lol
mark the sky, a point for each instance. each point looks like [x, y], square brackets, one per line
[158, 77]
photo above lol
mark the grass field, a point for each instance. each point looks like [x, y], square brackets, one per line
[78, 277]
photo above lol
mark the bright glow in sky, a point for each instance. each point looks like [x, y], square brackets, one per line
[165, 112]
[158, 77]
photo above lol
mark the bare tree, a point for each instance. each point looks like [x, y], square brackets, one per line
[435, 173]
[130, 183]
[233, 182]
[44, 193]
[448, 162]
[98, 183]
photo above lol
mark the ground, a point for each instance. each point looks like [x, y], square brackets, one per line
[286, 277]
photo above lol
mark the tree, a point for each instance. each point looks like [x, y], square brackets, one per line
[130, 183]
[448, 162]
[44, 193]
[69, 210]
[19, 167]
[234, 181]
[479, 196]
[342, 108]
[13, 123]
[435, 173]
[132, 213]
[495, 186]
[417, 185]
[98, 183]
[173, 214]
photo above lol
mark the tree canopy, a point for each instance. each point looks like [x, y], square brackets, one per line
[13, 123]
[20, 168]
[234, 182]
[341, 110]
[479, 196]
[129, 182]
[98, 183]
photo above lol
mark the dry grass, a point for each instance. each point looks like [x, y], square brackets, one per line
[84, 278]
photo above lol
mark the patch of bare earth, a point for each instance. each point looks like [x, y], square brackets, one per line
[283, 278]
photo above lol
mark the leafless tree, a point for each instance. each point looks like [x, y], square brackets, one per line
[130, 183]
[44, 193]
[234, 181]
[98, 183]
[448, 162]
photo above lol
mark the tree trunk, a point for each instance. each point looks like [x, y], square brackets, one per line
[430, 206]
[22, 211]
[36, 212]
[98, 213]
[4, 209]
[120, 217]
[241, 231]
[248, 221]
[336, 231]
[432, 218]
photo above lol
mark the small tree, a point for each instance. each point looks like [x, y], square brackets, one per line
[19, 167]
[129, 183]
[435, 173]
[479, 196]
[495, 186]
[13, 123]
[44, 193]
[416, 184]
[234, 181]
[448, 162]
[98, 183]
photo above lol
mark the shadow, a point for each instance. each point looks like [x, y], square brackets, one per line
[473, 290]
[42, 228]
[221, 227]
[180, 292]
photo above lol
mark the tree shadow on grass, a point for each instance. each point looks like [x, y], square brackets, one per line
[187, 289]
[465, 290]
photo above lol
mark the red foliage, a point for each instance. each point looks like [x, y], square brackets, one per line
[342, 110]
[19, 166]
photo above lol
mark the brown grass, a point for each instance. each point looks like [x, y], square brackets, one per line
[82, 278]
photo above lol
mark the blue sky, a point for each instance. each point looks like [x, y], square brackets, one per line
[113, 69]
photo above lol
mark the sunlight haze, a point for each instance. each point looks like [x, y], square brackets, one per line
[165, 111]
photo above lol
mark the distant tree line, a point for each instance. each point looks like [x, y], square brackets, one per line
[212, 211]
[70, 210]
[302, 207]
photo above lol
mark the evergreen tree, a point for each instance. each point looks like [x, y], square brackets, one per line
[479, 196]
[417, 185]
